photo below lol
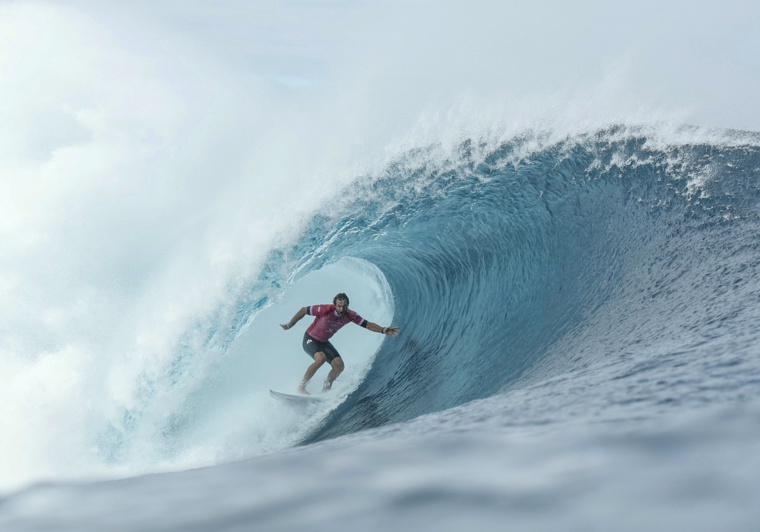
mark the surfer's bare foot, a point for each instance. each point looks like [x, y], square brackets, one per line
[302, 389]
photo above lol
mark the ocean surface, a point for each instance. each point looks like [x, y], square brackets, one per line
[579, 349]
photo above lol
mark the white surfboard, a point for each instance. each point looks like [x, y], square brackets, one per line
[299, 399]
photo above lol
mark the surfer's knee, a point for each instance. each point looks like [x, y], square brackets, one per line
[337, 364]
[320, 358]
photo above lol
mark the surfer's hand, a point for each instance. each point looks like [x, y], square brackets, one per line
[285, 326]
[392, 331]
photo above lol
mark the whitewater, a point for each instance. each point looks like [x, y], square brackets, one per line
[573, 265]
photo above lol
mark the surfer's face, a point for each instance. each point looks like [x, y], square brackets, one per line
[341, 306]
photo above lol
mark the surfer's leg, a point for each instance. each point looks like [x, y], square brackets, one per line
[319, 359]
[337, 369]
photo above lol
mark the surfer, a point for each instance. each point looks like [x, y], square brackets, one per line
[316, 340]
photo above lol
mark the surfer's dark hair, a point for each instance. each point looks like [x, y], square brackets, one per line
[341, 296]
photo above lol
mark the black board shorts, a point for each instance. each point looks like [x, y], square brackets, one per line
[313, 346]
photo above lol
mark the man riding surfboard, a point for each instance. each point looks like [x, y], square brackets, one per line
[328, 319]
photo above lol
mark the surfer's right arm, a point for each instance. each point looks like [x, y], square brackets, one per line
[300, 314]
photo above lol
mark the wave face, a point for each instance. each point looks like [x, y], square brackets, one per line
[539, 258]
[581, 313]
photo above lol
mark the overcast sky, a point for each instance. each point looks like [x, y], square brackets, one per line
[699, 58]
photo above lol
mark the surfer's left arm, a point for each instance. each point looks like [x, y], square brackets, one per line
[390, 331]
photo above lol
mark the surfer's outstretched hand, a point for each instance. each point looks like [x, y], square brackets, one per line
[391, 331]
